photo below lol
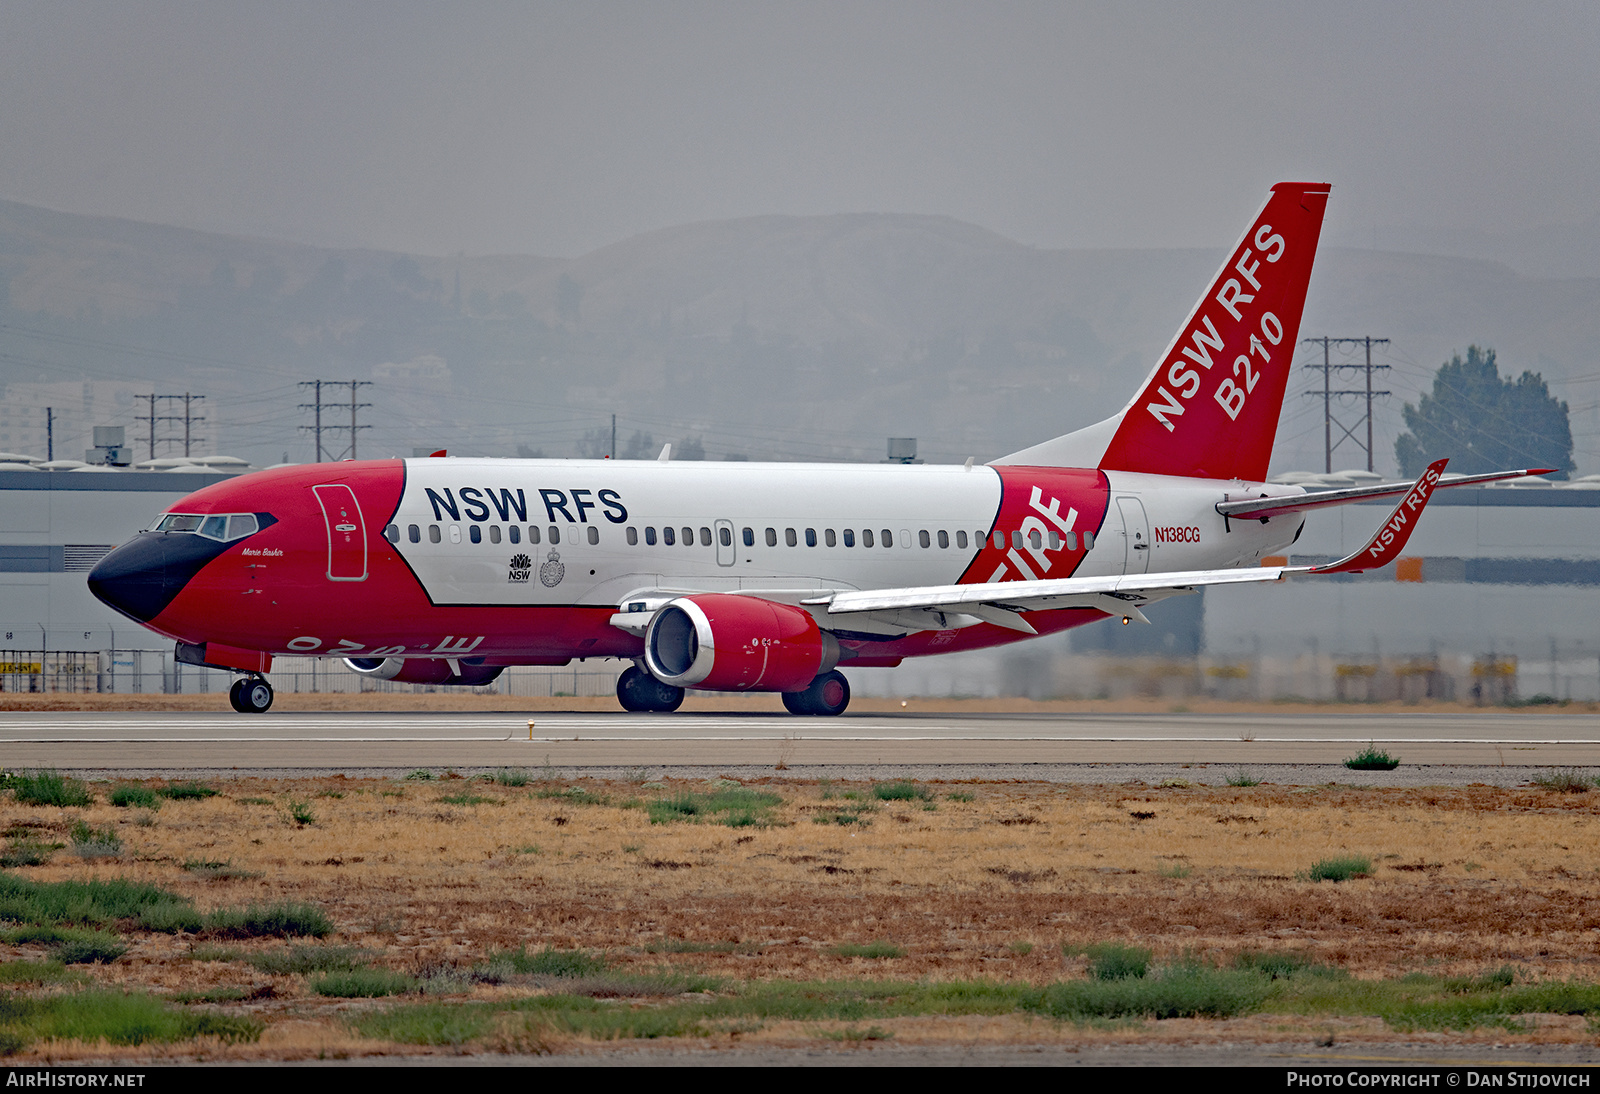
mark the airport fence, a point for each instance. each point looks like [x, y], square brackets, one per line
[156, 672]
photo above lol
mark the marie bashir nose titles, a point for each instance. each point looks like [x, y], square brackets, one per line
[140, 578]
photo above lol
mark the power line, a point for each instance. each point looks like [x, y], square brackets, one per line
[188, 418]
[1328, 368]
[318, 428]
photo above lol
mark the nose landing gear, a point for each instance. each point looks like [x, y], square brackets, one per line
[251, 695]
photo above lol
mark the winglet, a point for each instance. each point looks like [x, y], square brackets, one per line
[1391, 539]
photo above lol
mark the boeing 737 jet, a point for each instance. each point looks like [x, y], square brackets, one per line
[765, 577]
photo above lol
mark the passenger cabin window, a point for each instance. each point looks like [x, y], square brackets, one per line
[849, 537]
[392, 533]
[1055, 540]
[649, 536]
[725, 536]
[811, 537]
[1088, 541]
[888, 538]
[668, 536]
[961, 540]
[494, 533]
[749, 537]
[944, 538]
[515, 533]
[633, 536]
[555, 535]
[829, 538]
[594, 535]
[705, 537]
[476, 533]
[533, 534]
[866, 537]
[923, 539]
[688, 538]
[789, 537]
[772, 537]
[413, 533]
[433, 533]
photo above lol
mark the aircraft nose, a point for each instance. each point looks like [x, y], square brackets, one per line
[140, 578]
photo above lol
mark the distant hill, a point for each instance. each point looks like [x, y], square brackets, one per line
[766, 337]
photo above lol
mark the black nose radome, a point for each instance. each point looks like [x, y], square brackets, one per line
[140, 578]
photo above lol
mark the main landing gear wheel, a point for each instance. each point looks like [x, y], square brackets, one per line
[642, 693]
[251, 695]
[828, 695]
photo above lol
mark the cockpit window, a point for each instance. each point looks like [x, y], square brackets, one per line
[223, 527]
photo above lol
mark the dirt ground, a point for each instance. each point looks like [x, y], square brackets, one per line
[1464, 880]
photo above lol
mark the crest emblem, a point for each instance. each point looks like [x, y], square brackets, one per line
[552, 571]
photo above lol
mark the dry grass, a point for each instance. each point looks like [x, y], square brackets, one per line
[1463, 879]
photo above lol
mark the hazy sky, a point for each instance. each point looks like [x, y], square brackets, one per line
[556, 128]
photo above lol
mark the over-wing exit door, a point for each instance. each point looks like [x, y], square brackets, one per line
[347, 532]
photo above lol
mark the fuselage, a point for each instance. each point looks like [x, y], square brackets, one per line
[526, 561]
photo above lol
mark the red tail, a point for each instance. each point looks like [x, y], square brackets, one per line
[1210, 408]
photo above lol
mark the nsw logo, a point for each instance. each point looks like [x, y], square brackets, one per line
[521, 567]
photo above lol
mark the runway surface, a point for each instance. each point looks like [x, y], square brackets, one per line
[1501, 747]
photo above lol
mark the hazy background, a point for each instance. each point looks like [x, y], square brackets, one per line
[1050, 185]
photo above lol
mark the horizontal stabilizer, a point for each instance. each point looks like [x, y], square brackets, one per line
[1299, 503]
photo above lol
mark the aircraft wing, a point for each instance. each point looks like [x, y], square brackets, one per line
[1002, 602]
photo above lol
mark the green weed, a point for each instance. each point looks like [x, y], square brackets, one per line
[189, 791]
[49, 788]
[904, 790]
[1372, 759]
[363, 984]
[1282, 964]
[551, 962]
[875, 950]
[87, 902]
[1564, 780]
[303, 960]
[1340, 869]
[125, 796]
[283, 920]
[1183, 991]
[1243, 778]
[117, 1017]
[467, 797]
[734, 806]
[1114, 960]
[95, 842]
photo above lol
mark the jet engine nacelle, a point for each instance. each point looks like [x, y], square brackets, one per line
[721, 642]
[424, 670]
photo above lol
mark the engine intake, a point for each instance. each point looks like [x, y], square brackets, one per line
[721, 642]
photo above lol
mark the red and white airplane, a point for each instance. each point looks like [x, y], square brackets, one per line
[764, 577]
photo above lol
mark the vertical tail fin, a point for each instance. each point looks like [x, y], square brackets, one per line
[1210, 407]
